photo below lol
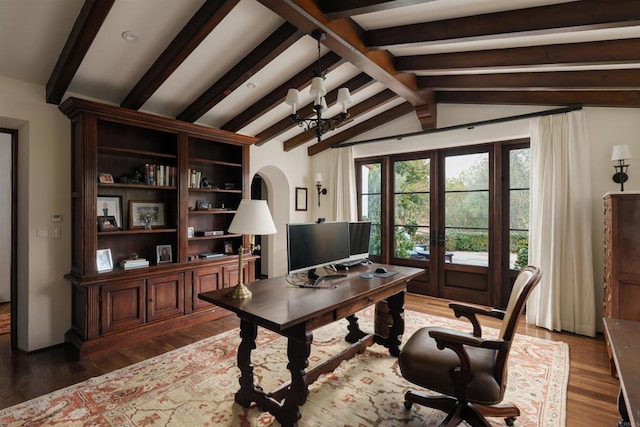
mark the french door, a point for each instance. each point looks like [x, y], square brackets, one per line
[461, 214]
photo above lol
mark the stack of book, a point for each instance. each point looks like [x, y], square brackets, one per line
[129, 264]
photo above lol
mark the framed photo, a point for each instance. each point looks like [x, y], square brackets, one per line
[105, 178]
[164, 254]
[104, 262]
[301, 198]
[203, 205]
[190, 232]
[228, 247]
[145, 214]
[110, 206]
[107, 223]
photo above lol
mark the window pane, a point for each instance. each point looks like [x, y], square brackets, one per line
[375, 243]
[467, 172]
[467, 210]
[468, 246]
[411, 207]
[371, 175]
[519, 203]
[371, 208]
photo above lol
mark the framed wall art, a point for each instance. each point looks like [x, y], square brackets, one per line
[301, 198]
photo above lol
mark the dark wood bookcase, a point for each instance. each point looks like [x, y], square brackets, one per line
[120, 306]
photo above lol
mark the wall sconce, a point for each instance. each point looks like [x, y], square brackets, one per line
[319, 187]
[621, 153]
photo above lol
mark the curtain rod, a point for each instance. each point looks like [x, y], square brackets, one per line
[466, 125]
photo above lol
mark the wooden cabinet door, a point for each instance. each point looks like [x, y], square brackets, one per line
[231, 275]
[122, 305]
[165, 297]
[204, 280]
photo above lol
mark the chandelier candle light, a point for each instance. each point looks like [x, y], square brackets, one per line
[319, 125]
[620, 153]
[252, 218]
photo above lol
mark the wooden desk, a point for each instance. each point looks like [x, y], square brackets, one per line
[624, 339]
[294, 312]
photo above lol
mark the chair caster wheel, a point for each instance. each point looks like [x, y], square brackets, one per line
[510, 421]
[407, 404]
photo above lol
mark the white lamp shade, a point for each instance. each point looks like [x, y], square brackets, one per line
[252, 217]
[318, 177]
[344, 97]
[317, 87]
[620, 152]
[293, 97]
[323, 105]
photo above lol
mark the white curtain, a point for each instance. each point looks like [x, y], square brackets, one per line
[344, 192]
[560, 227]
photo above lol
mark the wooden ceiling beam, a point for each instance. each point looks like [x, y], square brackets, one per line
[84, 31]
[359, 109]
[354, 85]
[335, 9]
[380, 119]
[604, 79]
[188, 39]
[599, 52]
[277, 96]
[587, 14]
[591, 98]
[279, 41]
[345, 38]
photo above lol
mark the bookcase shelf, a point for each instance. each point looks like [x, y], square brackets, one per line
[118, 306]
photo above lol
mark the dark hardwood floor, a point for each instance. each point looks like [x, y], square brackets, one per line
[591, 397]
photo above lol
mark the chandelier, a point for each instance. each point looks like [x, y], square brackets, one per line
[318, 124]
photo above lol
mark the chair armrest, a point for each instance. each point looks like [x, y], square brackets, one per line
[456, 341]
[471, 311]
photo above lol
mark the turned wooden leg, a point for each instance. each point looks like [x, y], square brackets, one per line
[396, 309]
[355, 333]
[248, 332]
[298, 350]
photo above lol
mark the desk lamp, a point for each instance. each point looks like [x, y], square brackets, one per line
[252, 217]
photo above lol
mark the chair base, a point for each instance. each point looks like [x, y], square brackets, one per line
[458, 411]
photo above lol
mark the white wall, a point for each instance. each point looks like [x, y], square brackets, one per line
[44, 303]
[606, 127]
[5, 217]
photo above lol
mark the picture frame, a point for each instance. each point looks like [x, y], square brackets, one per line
[190, 232]
[110, 206]
[164, 254]
[107, 223]
[228, 247]
[146, 214]
[104, 261]
[105, 178]
[203, 205]
[301, 198]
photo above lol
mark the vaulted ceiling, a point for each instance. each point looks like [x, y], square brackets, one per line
[229, 64]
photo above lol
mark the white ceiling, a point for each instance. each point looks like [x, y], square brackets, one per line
[33, 33]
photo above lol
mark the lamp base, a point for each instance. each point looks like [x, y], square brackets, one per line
[240, 292]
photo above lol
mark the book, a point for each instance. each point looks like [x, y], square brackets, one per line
[210, 255]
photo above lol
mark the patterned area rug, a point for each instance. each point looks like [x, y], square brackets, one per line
[195, 385]
[5, 323]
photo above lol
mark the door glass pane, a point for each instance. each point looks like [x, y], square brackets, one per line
[519, 200]
[371, 202]
[412, 209]
[466, 200]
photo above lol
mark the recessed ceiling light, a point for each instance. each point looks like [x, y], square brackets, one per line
[129, 36]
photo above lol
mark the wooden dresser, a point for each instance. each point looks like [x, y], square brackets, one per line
[622, 256]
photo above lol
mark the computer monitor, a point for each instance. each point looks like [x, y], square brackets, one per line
[314, 245]
[359, 236]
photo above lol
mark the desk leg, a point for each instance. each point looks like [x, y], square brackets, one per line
[390, 323]
[622, 409]
[298, 350]
[248, 332]
[355, 333]
[396, 309]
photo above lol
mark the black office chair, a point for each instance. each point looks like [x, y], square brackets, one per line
[469, 370]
